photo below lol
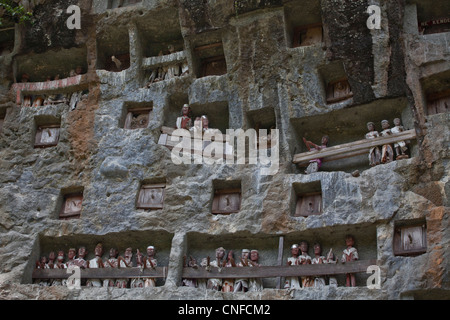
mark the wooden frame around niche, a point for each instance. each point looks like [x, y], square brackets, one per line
[438, 102]
[72, 206]
[47, 136]
[226, 201]
[338, 90]
[151, 196]
[410, 239]
[138, 118]
[308, 204]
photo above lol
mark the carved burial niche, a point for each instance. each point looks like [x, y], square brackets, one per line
[438, 102]
[308, 199]
[436, 89]
[138, 115]
[47, 132]
[262, 119]
[433, 18]
[151, 196]
[337, 87]
[113, 49]
[227, 197]
[72, 204]
[303, 23]
[209, 57]
[410, 238]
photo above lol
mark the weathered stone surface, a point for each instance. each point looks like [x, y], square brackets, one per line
[109, 163]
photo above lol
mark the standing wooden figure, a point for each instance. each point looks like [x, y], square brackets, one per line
[185, 120]
[400, 146]
[374, 153]
[350, 254]
[315, 164]
[293, 260]
[387, 153]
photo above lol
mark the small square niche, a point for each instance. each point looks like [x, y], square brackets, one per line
[47, 131]
[308, 199]
[72, 205]
[137, 116]
[151, 196]
[210, 58]
[227, 197]
[410, 238]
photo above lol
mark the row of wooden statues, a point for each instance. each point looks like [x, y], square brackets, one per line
[300, 256]
[385, 154]
[249, 258]
[77, 259]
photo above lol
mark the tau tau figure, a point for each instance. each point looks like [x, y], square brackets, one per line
[255, 284]
[315, 164]
[293, 260]
[96, 263]
[305, 259]
[185, 120]
[150, 262]
[228, 284]
[219, 262]
[374, 153]
[331, 259]
[191, 264]
[242, 284]
[319, 282]
[111, 263]
[350, 254]
[387, 153]
[124, 262]
[138, 282]
[400, 146]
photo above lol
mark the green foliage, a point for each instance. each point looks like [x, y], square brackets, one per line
[11, 11]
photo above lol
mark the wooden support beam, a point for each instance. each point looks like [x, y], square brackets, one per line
[102, 273]
[352, 148]
[279, 271]
[280, 258]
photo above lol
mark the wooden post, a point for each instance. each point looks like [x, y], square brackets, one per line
[280, 258]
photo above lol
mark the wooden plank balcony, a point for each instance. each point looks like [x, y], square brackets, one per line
[70, 84]
[351, 149]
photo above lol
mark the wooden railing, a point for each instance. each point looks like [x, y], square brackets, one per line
[203, 273]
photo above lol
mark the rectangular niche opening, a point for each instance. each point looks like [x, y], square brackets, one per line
[308, 199]
[72, 203]
[303, 23]
[113, 4]
[151, 194]
[136, 240]
[337, 87]
[349, 125]
[172, 110]
[113, 49]
[437, 91]
[157, 40]
[209, 57]
[2, 118]
[432, 17]
[410, 238]
[227, 197]
[52, 65]
[7, 36]
[216, 112]
[47, 131]
[264, 118]
[136, 115]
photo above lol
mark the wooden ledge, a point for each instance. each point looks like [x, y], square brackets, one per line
[351, 149]
[102, 273]
[279, 271]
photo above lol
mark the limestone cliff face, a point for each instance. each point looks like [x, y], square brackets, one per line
[268, 80]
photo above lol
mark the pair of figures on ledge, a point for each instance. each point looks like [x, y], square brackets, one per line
[201, 124]
[249, 258]
[386, 153]
[114, 261]
[300, 256]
